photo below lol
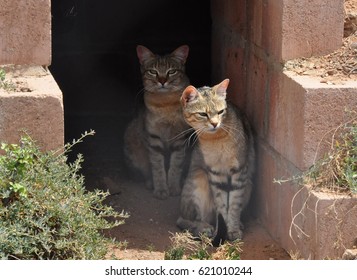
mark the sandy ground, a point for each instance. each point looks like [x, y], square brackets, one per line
[147, 232]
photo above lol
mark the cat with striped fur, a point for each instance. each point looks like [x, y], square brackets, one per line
[219, 182]
[154, 140]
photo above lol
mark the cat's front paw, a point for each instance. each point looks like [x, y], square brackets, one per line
[204, 229]
[161, 194]
[234, 235]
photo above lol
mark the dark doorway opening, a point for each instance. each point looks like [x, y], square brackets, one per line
[94, 62]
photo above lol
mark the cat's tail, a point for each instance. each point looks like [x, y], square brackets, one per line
[221, 234]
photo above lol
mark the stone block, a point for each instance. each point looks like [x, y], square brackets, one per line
[34, 107]
[257, 92]
[234, 70]
[231, 14]
[325, 108]
[304, 113]
[328, 226]
[286, 119]
[271, 37]
[287, 29]
[311, 27]
[266, 197]
[25, 36]
[272, 199]
[265, 19]
[305, 223]
[218, 47]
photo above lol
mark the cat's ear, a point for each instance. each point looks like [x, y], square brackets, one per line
[221, 89]
[181, 53]
[143, 53]
[190, 94]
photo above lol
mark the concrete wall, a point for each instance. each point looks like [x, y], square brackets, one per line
[25, 32]
[290, 114]
[35, 104]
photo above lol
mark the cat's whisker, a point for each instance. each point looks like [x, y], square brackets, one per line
[140, 92]
[186, 143]
[144, 89]
[197, 134]
[188, 140]
[181, 134]
[227, 129]
[231, 130]
[194, 136]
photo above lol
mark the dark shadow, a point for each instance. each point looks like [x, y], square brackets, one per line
[94, 62]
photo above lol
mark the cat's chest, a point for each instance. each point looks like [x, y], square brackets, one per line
[220, 155]
[167, 118]
[167, 122]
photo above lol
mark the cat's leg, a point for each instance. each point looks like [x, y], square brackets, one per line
[238, 199]
[197, 206]
[176, 164]
[230, 209]
[235, 207]
[157, 161]
[230, 205]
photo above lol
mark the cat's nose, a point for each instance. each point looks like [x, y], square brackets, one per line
[214, 124]
[162, 80]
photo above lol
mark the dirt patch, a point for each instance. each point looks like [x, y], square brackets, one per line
[338, 66]
[148, 230]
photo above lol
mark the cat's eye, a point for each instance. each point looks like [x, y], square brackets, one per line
[220, 112]
[172, 72]
[153, 72]
[203, 114]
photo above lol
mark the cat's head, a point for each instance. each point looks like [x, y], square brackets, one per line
[204, 108]
[163, 73]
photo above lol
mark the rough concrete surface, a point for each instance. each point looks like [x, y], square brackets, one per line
[34, 105]
[25, 32]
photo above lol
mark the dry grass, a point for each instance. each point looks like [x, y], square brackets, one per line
[186, 247]
[337, 171]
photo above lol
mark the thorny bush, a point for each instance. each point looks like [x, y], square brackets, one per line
[45, 211]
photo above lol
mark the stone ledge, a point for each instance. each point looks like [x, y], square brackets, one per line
[307, 224]
[302, 113]
[35, 106]
[324, 226]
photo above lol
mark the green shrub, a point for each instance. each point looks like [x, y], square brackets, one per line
[45, 211]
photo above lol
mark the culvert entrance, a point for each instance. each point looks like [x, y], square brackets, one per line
[95, 64]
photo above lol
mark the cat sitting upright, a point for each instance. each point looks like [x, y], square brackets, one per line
[154, 140]
[219, 182]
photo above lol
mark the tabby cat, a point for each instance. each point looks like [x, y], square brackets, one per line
[219, 182]
[154, 141]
